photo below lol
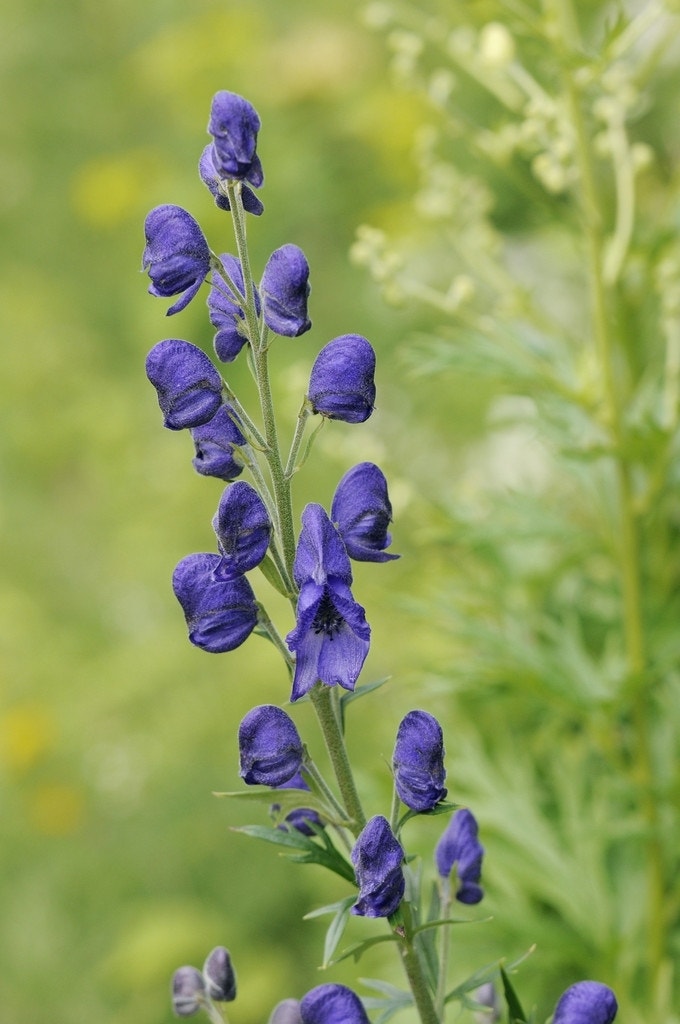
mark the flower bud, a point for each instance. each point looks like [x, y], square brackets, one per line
[243, 530]
[176, 255]
[270, 747]
[215, 443]
[188, 991]
[234, 125]
[418, 762]
[286, 1012]
[460, 846]
[211, 179]
[341, 384]
[285, 290]
[332, 1004]
[362, 511]
[188, 385]
[220, 978]
[586, 1002]
[377, 857]
[226, 311]
[220, 613]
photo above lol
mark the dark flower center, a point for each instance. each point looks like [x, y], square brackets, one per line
[328, 619]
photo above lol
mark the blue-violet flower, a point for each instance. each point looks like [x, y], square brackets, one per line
[285, 289]
[188, 385]
[176, 255]
[188, 991]
[332, 1004]
[377, 857]
[243, 530]
[216, 442]
[210, 178]
[361, 510]
[341, 384]
[418, 761]
[460, 846]
[234, 124]
[220, 613]
[300, 818]
[226, 311]
[219, 975]
[586, 1002]
[286, 1012]
[270, 748]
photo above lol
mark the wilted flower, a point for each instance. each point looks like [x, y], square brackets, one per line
[300, 818]
[226, 312]
[188, 385]
[188, 991]
[586, 1002]
[332, 1004]
[286, 1012]
[285, 289]
[331, 638]
[234, 125]
[210, 178]
[377, 857]
[341, 384]
[361, 510]
[219, 975]
[220, 613]
[270, 747]
[243, 529]
[216, 442]
[176, 256]
[418, 761]
[459, 845]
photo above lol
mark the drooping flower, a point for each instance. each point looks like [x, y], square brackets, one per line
[219, 975]
[226, 310]
[176, 256]
[270, 747]
[286, 1012]
[361, 510]
[377, 857]
[418, 762]
[300, 818]
[332, 1004]
[216, 443]
[188, 991]
[188, 385]
[210, 178]
[460, 846]
[285, 289]
[331, 637]
[243, 530]
[220, 613]
[586, 1002]
[341, 384]
[234, 124]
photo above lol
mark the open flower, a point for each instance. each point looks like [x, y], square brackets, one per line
[176, 255]
[460, 846]
[188, 385]
[285, 289]
[243, 530]
[341, 384]
[361, 510]
[234, 124]
[332, 1004]
[270, 747]
[586, 1002]
[226, 310]
[212, 180]
[331, 637]
[216, 442]
[220, 613]
[378, 857]
[418, 761]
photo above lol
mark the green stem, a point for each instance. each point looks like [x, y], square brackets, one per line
[300, 425]
[445, 945]
[413, 967]
[337, 751]
[269, 629]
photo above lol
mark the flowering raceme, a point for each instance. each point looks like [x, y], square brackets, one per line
[189, 387]
[176, 255]
[460, 846]
[377, 857]
[361, 510]
[418, 762]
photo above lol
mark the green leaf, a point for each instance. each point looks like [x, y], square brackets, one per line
[359, 691]
[273, 576]
[443, 807]
[449, 920]
[516, 1014]
[359, 948]
[286, 799]
[307, 850]
[488, 973]
[336, 929]
[394, 999]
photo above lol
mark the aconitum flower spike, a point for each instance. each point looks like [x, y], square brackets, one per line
[418, 762]
[188, 385]
[331, 637]
[286, 1012]
[188, 991]
[377, 857]
[341, 384]
[220, 613]
[210, 178]
[361, 510]
[332, 1004]
[460, 846]
[243, 530]
[176, 255]
[300, 818]
[234, 124]
[219, 975]
[586, 1002]
[226, 311]
[285, 289]
[216, 442]
[270, 748]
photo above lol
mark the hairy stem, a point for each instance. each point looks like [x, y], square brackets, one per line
[337, 751]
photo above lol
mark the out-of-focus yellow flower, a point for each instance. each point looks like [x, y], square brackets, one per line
[106, 191]
[26, 732]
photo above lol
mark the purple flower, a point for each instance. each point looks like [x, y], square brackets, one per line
[243, 530]
[286, 1012]
[270, 747]
[361, 510]
[301, 818]
[216, 442]
[460, 846]
[188, 991]
[234, 125]
[341, 384]
[210, 178]
[332, 1004]
[219, 975]
[586, 1002]
[285, 290]
[188, 385]
[176, 255]
[220, 613]
[331, 637]
[377, 858]
[226, 312]
[418, 762]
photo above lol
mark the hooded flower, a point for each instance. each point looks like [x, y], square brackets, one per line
[361, 510]
[332, 1004]
[216, 442]
[234, 125]
[188, 385]
[219, 975]
[377, 858]
[188, 991]
[418, 762]
[243, 529]
[226, 311]
[176, 255]
[331, 637]
[286, 1012]
[285, 289]
[341, 384]
[220, 613]
[460, 846]
[301, 818]
[270, 747]
[210, 178]
[586, 1002]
